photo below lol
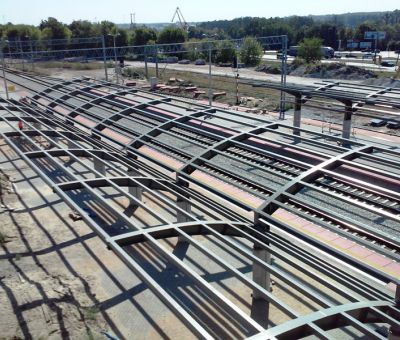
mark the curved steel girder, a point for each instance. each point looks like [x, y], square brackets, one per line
[168, 124]
[107, 98]
[294, 186]
[191, 228]
[340, 94]
[326, 319]
[127, 110]
[222, 145]
[53, 87]
[29, 119]
[128, 181]
[49, 133]
[68, 95]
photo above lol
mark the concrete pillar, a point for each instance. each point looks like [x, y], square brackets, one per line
[99, 166]
[297, 114]
[135, 191]
[346, 131]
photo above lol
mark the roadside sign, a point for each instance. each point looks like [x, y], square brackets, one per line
[374, 35]
[365, 44]
[352, 45]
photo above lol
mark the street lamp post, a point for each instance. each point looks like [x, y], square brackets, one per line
[115, 54]
[30, 43]
[4, 67]
[209, 75]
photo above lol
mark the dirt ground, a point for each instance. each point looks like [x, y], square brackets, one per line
[57, 279]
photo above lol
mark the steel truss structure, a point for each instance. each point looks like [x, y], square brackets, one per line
[374, 100]
[194, 141]
[92, 176]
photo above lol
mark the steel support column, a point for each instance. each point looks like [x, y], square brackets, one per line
[99, 166]
[394, 332]
[184, 204]
[347, 120]
[261, 276]
[260, 305]
[297, 114]
[135, 191]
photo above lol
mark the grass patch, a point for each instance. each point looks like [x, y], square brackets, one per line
[219, 83]
[72, 65]
[384, 74]
[78, 66]
[3, 238]
[91, 312]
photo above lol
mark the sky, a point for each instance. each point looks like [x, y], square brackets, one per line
[152, 11]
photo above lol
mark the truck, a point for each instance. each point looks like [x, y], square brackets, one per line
[326, 51]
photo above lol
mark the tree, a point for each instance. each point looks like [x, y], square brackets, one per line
[251, 52]
[310, 50]
[53, 29]
[143, 35]
[195, 49]
[226, 52]
[81, 29]
[171, 35]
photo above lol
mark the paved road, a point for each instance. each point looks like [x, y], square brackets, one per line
[248, 74]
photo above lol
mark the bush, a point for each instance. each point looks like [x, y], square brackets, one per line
[251, 52]
[130, 72]
[310, 50]
[297, 62]
[3, 238]
[226, 52]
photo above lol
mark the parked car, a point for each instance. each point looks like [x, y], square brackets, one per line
[393, 125]
[350, 55]
[377, 122]
[367, 55]
[200, 62]
[388, 64]
[337, 55]
[172, 60]
[184, 61]
[225, 64]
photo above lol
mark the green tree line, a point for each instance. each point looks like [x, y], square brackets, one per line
[297, 28]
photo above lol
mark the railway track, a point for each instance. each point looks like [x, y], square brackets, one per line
[287, 169]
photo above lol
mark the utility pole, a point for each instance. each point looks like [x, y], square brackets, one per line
[237, 75]
[103, 42]
[283, 77]
[209, 75]
[133, 21]
[115, 55]
[145, 63]
[4, 68]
